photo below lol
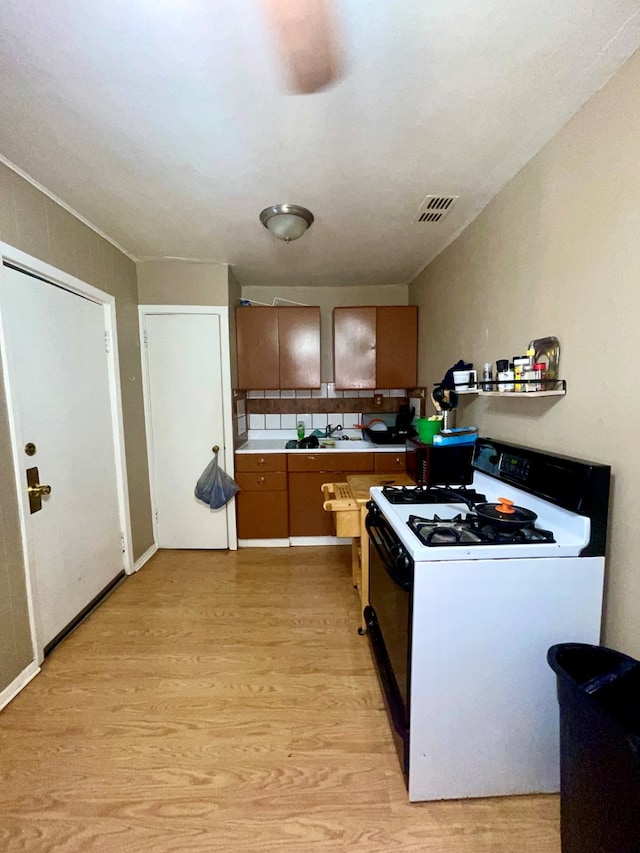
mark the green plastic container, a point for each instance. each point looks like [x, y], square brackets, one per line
[427, 429]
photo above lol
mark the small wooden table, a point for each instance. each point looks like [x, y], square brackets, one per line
[348, 500]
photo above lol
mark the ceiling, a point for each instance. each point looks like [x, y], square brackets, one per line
[167, 124]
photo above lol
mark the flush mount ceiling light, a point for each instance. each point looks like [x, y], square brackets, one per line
[286, 221]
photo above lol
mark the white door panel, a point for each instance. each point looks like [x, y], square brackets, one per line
[184, 370]
[58, 373]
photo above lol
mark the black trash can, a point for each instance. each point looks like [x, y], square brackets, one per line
[599, 696]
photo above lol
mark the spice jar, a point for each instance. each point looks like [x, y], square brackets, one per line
[520, 364]
[539, 370]
[487, 376]
[505, 377]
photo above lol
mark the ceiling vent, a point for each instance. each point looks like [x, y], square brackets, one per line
[434, 208]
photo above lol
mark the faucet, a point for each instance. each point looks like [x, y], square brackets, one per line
[331, 429]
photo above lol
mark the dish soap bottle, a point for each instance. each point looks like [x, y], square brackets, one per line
[300, 430]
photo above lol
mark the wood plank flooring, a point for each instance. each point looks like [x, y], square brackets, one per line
[224, 702]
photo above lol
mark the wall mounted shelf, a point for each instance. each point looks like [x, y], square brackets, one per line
[555, 392]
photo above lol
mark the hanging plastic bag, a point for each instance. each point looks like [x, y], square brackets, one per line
[215, 487]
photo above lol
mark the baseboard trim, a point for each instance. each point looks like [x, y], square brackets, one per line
[12, 690]
[148, 554]
[263, 543]
[293, 542]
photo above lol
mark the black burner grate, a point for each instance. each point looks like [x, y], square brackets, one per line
[429, 495]
[472, 530]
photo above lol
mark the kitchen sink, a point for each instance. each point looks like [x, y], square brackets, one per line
[357, 444]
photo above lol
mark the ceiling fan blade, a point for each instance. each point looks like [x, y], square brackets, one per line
[305, 33]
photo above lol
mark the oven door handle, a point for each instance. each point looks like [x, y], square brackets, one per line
[401, 576]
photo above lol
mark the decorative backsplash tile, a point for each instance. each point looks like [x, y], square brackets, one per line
[283, 410]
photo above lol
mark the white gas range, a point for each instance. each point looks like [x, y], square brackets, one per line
[462, 613]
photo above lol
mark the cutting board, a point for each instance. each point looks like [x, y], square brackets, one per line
[361, 483]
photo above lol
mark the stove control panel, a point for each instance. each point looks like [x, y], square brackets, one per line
[514, 467]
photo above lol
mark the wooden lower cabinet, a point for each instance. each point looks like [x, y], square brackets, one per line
[281, 494]
[262, 506]
[307, 473]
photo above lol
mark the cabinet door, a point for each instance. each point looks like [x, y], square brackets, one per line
[257, 344]
[307, 517]
[354, 347]
[306, 514]
[262, 515]
[396, 346]
[299, 344]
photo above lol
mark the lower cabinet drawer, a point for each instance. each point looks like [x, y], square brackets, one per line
[260, 462]
[263, 481]
[387, 462]
[330, 462]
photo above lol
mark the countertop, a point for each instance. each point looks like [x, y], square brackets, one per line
[267, 445]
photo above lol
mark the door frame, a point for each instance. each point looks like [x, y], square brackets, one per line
[58, 278]
[226, 450]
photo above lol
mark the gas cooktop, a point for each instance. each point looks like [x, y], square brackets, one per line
[472, 530]
[429, 495]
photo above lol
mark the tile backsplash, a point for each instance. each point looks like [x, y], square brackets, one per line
[316, 408]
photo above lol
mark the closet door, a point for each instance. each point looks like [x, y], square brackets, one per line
[185, 410]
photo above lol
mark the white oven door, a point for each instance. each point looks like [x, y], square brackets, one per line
[484, 712]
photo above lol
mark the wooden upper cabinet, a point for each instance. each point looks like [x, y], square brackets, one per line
[278, 347]
[354, 347]
[299, 333]
[397, 346]
[375, 347]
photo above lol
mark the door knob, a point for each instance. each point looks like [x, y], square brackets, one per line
[35, 490]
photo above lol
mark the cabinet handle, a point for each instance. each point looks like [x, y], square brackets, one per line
[261, 461]
[261, 480]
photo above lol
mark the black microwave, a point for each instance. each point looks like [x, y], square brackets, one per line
[433, 465]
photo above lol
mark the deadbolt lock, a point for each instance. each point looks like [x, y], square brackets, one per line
[35, 490]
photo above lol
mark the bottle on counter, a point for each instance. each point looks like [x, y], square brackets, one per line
[300, 430]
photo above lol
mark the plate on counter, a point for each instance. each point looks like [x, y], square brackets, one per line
[547, 350]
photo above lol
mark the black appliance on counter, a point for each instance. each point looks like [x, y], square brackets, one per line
[433, 465]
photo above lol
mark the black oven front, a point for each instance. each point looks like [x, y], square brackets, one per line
[388, 618]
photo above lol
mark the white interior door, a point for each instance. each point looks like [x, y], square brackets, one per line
[185, 410]
[57, 373]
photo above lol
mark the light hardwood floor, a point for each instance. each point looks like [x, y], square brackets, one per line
[224, 702]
